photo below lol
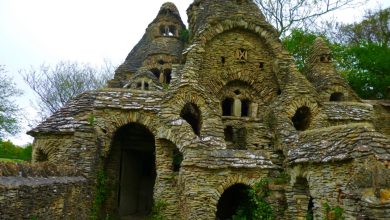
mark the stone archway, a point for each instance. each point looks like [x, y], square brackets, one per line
[131, 170]
[231, 200]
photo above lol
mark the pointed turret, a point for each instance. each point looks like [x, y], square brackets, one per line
[159, 48]
[321, 72]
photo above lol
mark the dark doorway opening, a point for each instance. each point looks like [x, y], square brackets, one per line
[137, 171]
[245, 108]
[233, 198]
[301, 119]
[193, 116]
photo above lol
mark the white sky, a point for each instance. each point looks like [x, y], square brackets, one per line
[33, 32]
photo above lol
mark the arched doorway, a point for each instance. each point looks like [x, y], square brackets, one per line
[231, 200]
[133, 155]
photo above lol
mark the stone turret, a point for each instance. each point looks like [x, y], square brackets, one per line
[159, 48]
[321, 72]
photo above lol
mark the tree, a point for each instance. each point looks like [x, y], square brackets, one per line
[363, 50]
[8, 109]
[56, 85]
[288, 14]
[298, 43]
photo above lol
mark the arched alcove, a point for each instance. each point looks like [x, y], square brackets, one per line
[41, 156]
[232, 198]
[228, 133]
[302, 118]
[193, 116]
[336, 97]
[131, 171]
[303, 201]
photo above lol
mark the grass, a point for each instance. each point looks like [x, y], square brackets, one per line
[11, 160]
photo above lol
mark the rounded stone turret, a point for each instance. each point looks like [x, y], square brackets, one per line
[159, 48]
[321, 72]
[204, 12]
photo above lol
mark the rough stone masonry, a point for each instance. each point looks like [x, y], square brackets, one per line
[194, 117]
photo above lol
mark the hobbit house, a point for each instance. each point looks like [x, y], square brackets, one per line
[190, 123]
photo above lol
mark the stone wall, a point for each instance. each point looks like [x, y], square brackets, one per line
[42, 192]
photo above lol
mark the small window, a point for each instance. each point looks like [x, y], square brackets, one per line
[237, 92]
[177, 158]
[223, 59]
[245, 108]
[161, 62]
[139, 85]
[241, 138]
[167, 76]
[146, 86]
[172, 30]
[301, 119]
[227, 106]
[261, 65]
[156, 72]
[228, 132]
[336, 97]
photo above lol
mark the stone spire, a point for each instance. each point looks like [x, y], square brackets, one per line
[321, 72]
[159, 48]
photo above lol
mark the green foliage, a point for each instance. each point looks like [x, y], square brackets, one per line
[91, 119]
[333, 213]
[282, 178]
[8, 109]
[100, 196]
[298, 43]
[184, 35]
[257, 206]
[11, 151]
[34, 218]
[157, 209]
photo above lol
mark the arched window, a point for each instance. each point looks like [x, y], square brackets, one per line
[146, 86]
[245, 108]
[227, 106]
[156, 72]
[167, 76]
[336, 97]
[177, 158]
[193, 116]
[301, 119]
[139, 85]
[172, 30]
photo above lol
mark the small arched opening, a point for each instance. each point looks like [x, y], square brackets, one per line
[245, 105]
[193, 116]
[167, 76]
[156, 72]
[177, 158]
[336, 97]
[227, 106]
[146, 86]
[231, 200]
[131, 171]
[301, 118]
[41, 156]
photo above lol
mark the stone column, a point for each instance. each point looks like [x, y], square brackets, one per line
[253, 110]
[236, 111]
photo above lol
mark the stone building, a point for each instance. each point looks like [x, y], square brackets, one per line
[190, 124]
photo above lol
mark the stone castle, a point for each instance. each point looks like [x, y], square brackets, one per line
[191, 122]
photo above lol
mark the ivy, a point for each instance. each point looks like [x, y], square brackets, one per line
[184, 35]
[257, 206]
[157, 209]
[100, 196]
[333, 213]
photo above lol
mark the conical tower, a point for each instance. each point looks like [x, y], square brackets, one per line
[159, 48]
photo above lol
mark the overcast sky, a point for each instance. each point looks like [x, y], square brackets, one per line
[33, 32]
